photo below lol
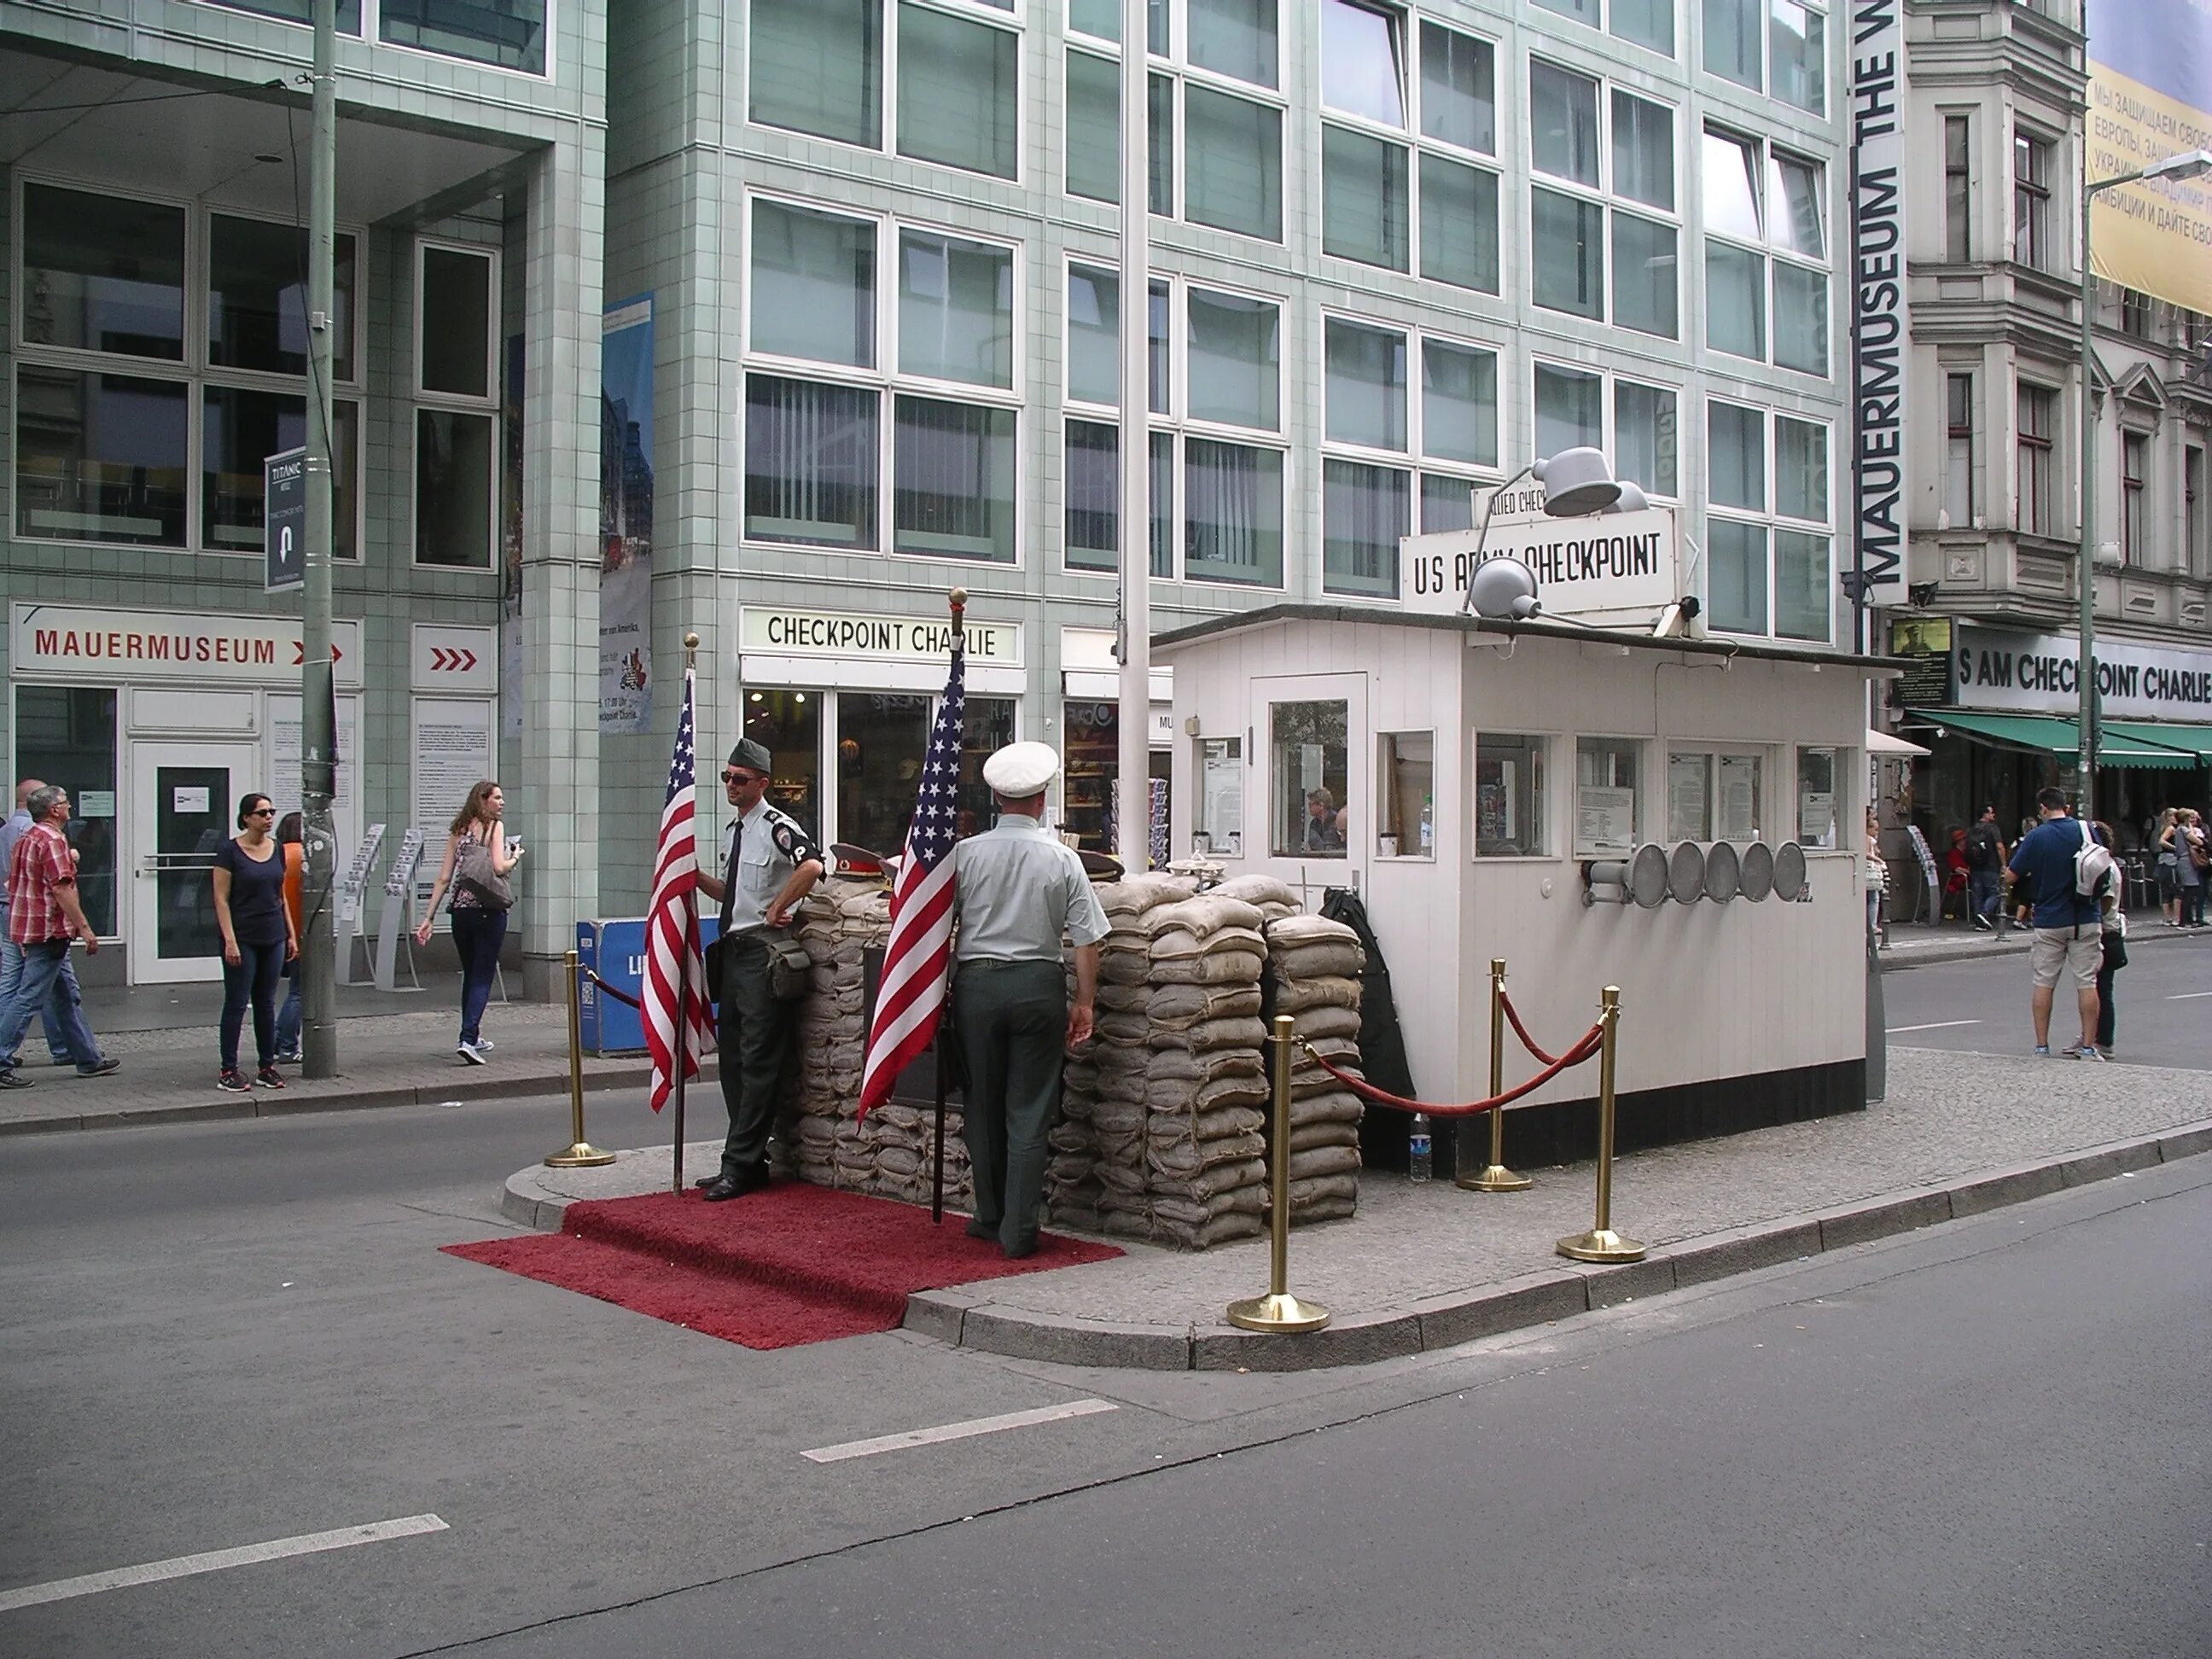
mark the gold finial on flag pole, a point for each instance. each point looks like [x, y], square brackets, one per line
[690, 650]
[959, 599]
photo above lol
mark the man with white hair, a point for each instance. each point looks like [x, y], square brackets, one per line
[43, 913]
[53, 1016]
[1017, 890]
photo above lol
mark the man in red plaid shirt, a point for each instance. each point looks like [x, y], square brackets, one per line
[44, 913]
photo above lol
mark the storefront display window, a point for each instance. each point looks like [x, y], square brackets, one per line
[100, 457]
[1312, 776]
[1092, 757]
[790, 724]
[65, 735]
[881, 737]
[1406, 803]
[1816, 798]
[987, 726]
[1607, 796]
[1510, 799]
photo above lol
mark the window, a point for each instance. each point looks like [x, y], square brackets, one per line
[1647, 22]
[1607, 796]
[1958, 450]
[1235, 360]
[1768, 524]
[1732, 40]
[257, 306]
[1958, 189]
[1405, 795]
[2135, 479]
[1219, 823]
[959, 99]
[813, 289]
[1233, 163]
[66, 734]
[2037, 417]
[455, 332]
[456, 410]
[1817, 777]
[1760, 202]
[1570, 413]
[2194, 556]
[811, 463]
[1569, 409]
[1569, 231]
[1797, 55]
[239, 427]
[987, 726]
[101, 457]
[1364, 214]
[2137, 316]
[956, 304]
[1310, 814]
[1459, 404]
[505, 33]
[298, 11]
[1689, 795]
[1510, 801]
[788, 724]
[1713, 795]
[1093, 150]
[879, 733]
[2031, 199]
[1459, 98]
[1092, 746]
[952, 480]
[1094, 338]
[1361, 63]
[1092, 498]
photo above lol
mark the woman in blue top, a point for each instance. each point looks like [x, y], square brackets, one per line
[257, 940]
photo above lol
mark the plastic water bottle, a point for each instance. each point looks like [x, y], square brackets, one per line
[1428, 823]
[1419, 1161]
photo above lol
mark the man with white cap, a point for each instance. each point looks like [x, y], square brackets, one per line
[1017, 890]
[769, 865]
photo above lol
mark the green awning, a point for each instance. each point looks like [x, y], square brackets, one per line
[2049, 734]
[2190, 740]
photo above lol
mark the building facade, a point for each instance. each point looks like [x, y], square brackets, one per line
[772, 321]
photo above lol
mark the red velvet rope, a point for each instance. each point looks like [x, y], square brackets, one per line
[619, 996]
[1585, 1046]
[1513, 1015]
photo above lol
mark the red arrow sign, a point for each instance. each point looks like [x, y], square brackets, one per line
[299, 653]
[449, 659]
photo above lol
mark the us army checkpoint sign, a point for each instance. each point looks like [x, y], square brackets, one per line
[1621, 568]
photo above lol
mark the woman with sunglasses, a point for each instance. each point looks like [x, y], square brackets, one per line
[258, 940]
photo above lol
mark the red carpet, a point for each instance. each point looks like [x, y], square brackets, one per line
[791, 1265]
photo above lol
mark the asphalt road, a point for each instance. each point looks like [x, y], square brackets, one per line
[1987, 1438]
[2164, 997]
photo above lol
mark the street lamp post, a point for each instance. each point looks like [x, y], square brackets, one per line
[2189, 164]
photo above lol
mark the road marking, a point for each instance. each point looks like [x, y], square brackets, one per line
[2190, 996]
[890, 1443]
[184, 1566]
[1938, 1025]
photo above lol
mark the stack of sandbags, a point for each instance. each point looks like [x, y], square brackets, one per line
[1317, 965]
[1272, 899]
[1207, 1091]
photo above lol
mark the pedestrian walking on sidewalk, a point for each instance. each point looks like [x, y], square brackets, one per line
[480, 857]
[2167, 865]
[1017, 889]
[258, 940]
[2190, 869]
[53, 1017]
[1985, 863]
[769, 865]
[2068, 923]
[2114, 942]
[43, 913]
[289, 836]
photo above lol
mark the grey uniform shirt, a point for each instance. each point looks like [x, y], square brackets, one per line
[1018, 889]
[759, 852]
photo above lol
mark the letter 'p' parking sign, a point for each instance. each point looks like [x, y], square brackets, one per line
[284, 522]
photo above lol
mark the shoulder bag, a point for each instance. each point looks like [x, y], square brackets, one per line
[475, 872]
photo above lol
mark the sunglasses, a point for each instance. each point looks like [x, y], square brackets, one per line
[263, 812]
[743, 777]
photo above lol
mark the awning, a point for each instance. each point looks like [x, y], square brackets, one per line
[2190, 740]
[1882, 742]
[2049, 734]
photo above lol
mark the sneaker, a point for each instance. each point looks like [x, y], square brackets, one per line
[269, 1078]
[291, 1057]
[2043, 1051]
[471, 1052]
[12, 1079]
[1982, 924]
[234, 1083]
[2091, 1051]
[99, 1068]
[485, 1045]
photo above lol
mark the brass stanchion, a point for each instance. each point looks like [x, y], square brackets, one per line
[1496, 1177]
[1278, 1311]
[579, 1153]
[1600, 1243]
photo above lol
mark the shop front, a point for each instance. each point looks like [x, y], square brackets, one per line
[1091, 690]
[157, 722]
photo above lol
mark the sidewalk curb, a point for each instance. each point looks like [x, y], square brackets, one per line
[964, 1316]
[1981, 947]
[469, 1084]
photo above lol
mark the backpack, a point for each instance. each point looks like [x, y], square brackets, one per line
[2093, 866]
[1982, 846]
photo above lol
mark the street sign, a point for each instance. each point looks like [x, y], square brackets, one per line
[1612, 567]
[284, 521]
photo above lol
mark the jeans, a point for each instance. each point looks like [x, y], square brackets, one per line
[2192, 905]
[47, 976]
[288, 1016]
[253, 979]
[52, 1016]
[477, 935]
[1986, 889]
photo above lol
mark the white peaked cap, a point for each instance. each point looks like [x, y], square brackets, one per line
[1021, 769]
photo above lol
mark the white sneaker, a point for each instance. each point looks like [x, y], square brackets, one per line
[471, 1052]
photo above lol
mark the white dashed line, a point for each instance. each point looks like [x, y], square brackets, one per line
[912, 1437]
[185, 1566]
[1938, 1025]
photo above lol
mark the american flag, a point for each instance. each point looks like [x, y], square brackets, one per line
[918, 958]
[671, 924]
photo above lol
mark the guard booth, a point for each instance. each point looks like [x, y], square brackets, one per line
[1596, 805]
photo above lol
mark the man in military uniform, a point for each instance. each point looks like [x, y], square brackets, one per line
[1017, 889]
[769, 865]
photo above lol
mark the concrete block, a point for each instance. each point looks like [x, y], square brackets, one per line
[1631, 1281]
[938, 1314]
[1357, 1341]
[1020, 1333]
[27, 1125]
[2103, 1162]
[2185, 1143]
[1741, 1250]
[1880, 1218]
[1537, 1299]
[1999, 1187]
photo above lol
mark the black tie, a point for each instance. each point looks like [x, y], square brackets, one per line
[730, 876]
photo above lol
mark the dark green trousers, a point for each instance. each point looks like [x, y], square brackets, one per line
[1012, 1023]
[753, 1033]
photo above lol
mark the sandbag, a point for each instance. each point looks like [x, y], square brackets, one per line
[1206, 914]
[1215, 967]
[1178, 942]
[1210, 1034]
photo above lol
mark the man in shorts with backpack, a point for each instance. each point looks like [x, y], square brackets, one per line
[2065, 873]
[1985, 866]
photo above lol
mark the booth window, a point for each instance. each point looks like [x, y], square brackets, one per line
[1816, 798]
[1312, 773]
[790, 724]
[66, 735]
[1405, 795]
[1508, 795]
[1714, 795]
[1220, 819]
[1608, 798]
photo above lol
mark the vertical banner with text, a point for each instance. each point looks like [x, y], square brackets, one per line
[626, 516]
[1878, 328]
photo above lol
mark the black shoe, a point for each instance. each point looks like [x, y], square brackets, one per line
[99, 1068]
[724, 1188]
[979, 1229]
[11, 1079]
[1982, 922]
[1021, 1247]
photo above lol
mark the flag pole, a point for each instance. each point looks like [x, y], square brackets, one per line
[683, 980]
[942, 1040]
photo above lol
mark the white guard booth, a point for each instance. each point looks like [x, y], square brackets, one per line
[1468, 778]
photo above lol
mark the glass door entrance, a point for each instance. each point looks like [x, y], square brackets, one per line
[183, 805]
